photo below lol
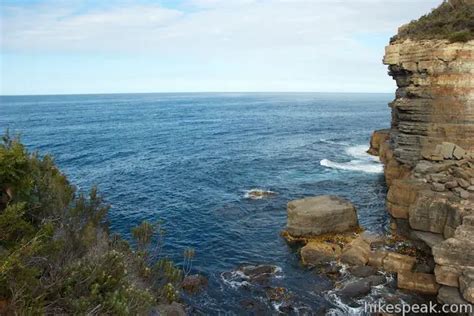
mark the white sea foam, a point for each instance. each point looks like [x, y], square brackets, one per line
[360, 152]
[333, 142]
[235, 279]
[342, 308]
[362, 161]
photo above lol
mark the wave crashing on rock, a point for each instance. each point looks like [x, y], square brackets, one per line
[361, 161]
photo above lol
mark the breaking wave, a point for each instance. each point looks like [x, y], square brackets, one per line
[361, 161]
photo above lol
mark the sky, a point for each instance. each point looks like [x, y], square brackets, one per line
[123, 46]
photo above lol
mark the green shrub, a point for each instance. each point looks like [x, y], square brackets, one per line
[56, 256]
[101, 284]
[453, 20]
[461, 36]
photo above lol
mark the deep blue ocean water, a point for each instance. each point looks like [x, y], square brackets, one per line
[190, 159]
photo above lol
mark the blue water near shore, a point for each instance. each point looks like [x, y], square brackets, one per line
[190, 159]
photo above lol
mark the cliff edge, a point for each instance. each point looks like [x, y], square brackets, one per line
[428, 152]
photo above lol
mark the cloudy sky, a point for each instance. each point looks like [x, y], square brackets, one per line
[115, 46]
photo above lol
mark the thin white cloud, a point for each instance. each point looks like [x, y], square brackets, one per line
[233, 24]
[279, 45]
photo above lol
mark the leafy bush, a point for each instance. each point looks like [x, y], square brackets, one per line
[56, 255]
[461, 36]
[453, 20]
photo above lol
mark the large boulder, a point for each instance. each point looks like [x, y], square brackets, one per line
[319, 215]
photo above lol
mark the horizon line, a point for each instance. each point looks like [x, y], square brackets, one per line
[192, 92]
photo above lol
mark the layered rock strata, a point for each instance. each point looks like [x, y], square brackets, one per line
[434, 99]
[428, 156]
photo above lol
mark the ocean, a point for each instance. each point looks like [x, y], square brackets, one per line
[190, 159]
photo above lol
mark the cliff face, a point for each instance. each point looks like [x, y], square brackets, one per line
[428, 155]
[435, 96]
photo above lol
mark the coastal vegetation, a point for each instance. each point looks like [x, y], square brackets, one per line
[453, 20]
[57, 254]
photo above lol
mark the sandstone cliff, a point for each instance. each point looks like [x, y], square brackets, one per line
[428, 155]
[435, 96]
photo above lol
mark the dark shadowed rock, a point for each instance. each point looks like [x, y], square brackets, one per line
[259, 274]
[451, 295]
[375, 280]
[355, 289]
[194, 283]
[362, 271]
[422, 267]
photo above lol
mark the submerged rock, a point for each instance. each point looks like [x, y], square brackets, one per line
[254, 271]
[250, 275]
[320, 215]
[258, 194]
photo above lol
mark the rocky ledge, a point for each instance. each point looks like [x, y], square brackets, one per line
[328, 230]
[428, 156]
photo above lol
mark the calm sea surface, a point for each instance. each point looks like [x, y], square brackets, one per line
[190, 159]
